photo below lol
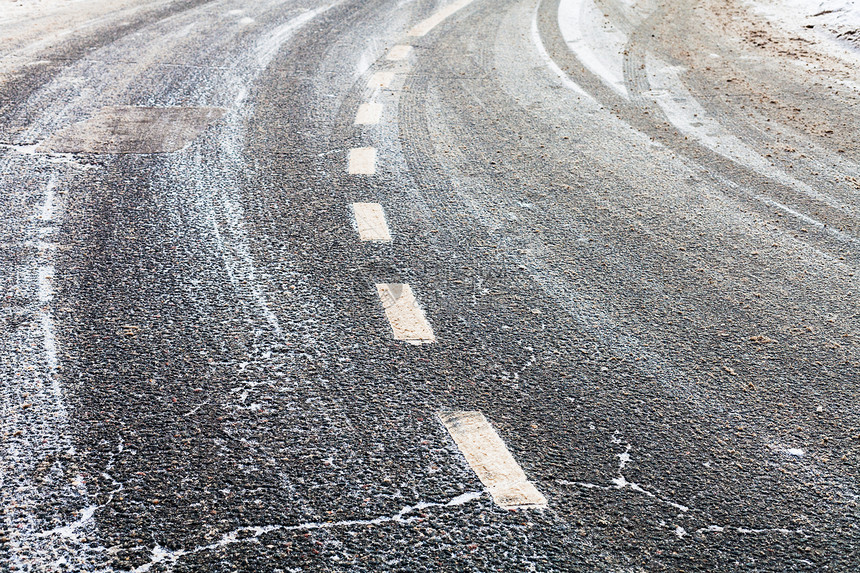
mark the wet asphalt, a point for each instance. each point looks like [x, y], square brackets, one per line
[209, 383]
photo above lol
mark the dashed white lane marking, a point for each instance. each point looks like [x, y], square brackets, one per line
[362, 161]
[399, 52]
[492, 462]
[370, 220]
[425, 26]
[368, 114]
[380, 80]
[405, 316]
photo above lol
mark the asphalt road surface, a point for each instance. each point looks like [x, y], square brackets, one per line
[417, 285]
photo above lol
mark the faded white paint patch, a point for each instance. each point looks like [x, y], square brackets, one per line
[438, 17]
[398, 53]
[130, 129]
[405, 316]
[492, 462]
[362, 161]
[368, 114]
[380, 80]
[370, 221]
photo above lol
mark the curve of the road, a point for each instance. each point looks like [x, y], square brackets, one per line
[254, 331]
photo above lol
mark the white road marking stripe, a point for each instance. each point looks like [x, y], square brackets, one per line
[380, 80]
[368, 114]
[370, 220]
[492, 462]
[405, 316]
[399, 52]
[362, 161]
[440, 16]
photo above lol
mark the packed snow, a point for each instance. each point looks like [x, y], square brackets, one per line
[838, 19]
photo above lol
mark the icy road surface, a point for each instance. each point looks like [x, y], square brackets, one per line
[429, 285]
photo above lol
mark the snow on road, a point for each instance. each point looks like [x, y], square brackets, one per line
[839, 19]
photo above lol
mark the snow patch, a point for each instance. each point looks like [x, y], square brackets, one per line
[690, 118]
[597, 44]
[565, 79]
[834, 20]
[269, 46]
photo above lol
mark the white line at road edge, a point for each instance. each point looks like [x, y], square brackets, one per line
[404, 315]
[362, 161]
[492, 462]
[370, 221]
[368, 114]
[440, 16]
